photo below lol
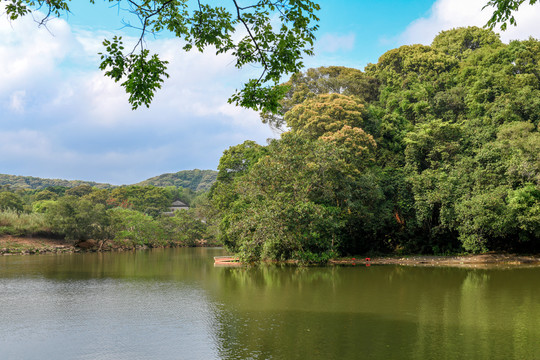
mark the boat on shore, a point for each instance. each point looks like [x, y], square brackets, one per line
[226, 261]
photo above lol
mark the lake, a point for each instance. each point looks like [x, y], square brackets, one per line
[174, 304]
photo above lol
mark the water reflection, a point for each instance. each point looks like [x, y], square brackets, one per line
[379, 313]
[174, 304]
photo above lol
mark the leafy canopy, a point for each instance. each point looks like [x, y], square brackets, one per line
[274, 35]
[434, 149]
[503, 12]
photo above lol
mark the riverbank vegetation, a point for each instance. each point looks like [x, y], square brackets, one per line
[130, 216]
[434, 149]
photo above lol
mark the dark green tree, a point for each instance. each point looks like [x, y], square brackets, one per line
[183, 228]
[10, 201]
[78, 219]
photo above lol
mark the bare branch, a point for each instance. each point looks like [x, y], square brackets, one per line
[144, 19]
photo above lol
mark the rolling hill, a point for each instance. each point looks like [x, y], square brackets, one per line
[195, 180]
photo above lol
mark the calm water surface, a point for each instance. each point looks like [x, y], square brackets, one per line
[174, 304]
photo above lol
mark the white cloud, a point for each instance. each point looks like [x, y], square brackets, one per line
[335, 42]
[28, 53]
[17, 101]
[23, 143]
[62, 118]
[448, 14]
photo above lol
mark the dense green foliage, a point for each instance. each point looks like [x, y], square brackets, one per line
[10, 201]
[196, 180]
[128, 216]
[30, 182]
[190, 181]
[434, 149]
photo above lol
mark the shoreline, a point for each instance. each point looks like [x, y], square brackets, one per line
[469, 260]
[12, 245]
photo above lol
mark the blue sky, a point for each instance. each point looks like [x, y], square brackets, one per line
[60, 118]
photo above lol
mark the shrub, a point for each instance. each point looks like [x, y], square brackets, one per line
[135, 227]
[78, 219]
[14, 223]
[183, 228]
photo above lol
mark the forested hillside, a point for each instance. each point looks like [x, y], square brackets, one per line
[128, 216]
[30, 182]
[434, 149]
[196, 180]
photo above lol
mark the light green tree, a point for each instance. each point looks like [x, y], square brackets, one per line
[323, 80]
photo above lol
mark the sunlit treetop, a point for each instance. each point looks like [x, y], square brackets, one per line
[275, 35]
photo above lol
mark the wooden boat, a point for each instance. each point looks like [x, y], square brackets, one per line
[226, 261]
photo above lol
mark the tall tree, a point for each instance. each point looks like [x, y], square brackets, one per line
[323, 80]
[456, 165]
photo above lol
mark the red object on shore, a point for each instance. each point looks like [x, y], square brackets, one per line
[368, 259]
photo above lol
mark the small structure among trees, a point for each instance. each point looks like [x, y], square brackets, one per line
[176, 205]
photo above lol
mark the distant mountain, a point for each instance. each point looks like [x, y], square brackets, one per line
[193, 179]
[30, 182]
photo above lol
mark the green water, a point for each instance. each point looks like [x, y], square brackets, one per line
[174, 304]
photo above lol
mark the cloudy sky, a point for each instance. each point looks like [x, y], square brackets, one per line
[60, 118]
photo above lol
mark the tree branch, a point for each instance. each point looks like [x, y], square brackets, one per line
[261, 53]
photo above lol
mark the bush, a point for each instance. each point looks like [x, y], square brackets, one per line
[183, 228]
[134, 227]
[11, 201]
[78, 219]
[14, 223]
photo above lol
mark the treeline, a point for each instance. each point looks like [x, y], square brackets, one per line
[434, 149]
[31, 182]
[129, 215]
[196, 180]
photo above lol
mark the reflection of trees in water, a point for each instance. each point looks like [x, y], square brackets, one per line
[309, 335]
[320, 312]
[492, 315]
[178, 264]
[378, 313]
